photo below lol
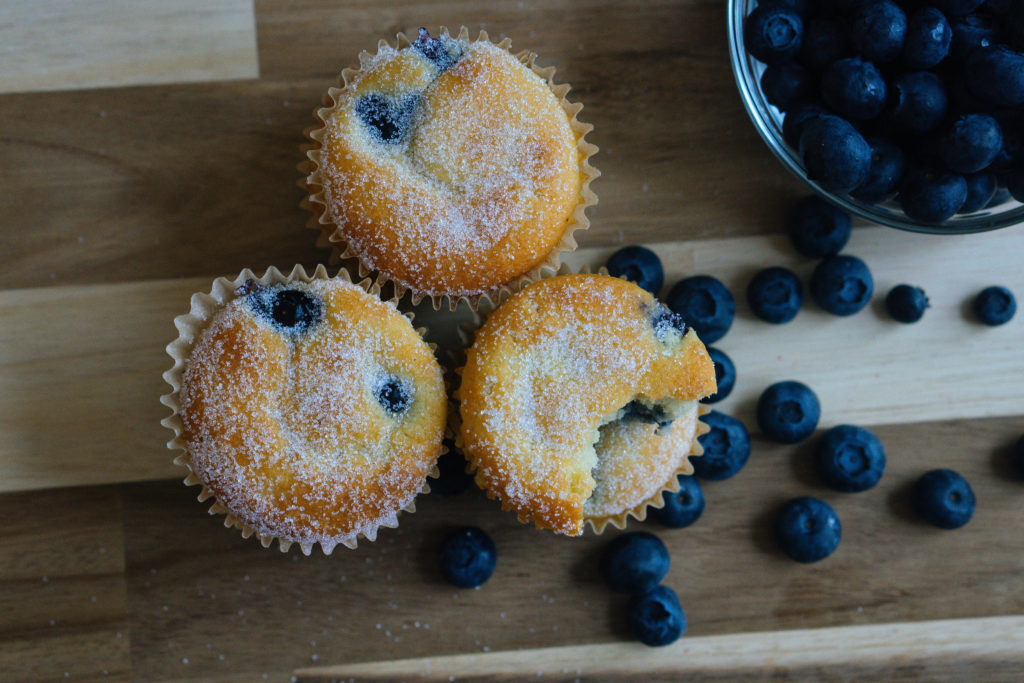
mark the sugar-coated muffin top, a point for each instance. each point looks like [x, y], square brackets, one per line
[312, 411]
[562, 361]
[449, 166]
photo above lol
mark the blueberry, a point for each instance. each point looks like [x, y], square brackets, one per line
[854, 88]
[932, 196]
[468, 557]
[808, 529]
[638, 411]
[634, 562]
[887, 166]
[773, 34]
[725, 376]
[394, 395]
[683, 507]
[656, 617]
[452, 468]
[786, 84]
[818, 228]
[928, 38]
[796, 118]
[726, 448]
[906, 303]
[944, 499]
[917, 103]
[842, 285]
[825, 41]
[639, 265]
[289, 310]
[386, 120]
[954, 8]
[969, 33]
[971, 143]
[441, 51]
[788, 412]
[849, 459]
[996, 74]
[834, 154]
[665, 323]
[994, 305]
[981, 188]
[775, 295]
[878, 31]
[705, 304]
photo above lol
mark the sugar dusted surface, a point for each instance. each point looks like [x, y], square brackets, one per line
[286, 430]
[479, 191]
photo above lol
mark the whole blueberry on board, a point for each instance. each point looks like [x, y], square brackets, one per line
[970, 143]
[994, 305]
[928, 38]
[917, 104]
[944, 499]
[726, 448]
[775, 295]
[786, 84]
[849, 458]
[634, 562]
[906, 303]
[683, 507]
[981, 188]
[788, 412]
[888, 163]
[773, 34]
[878, 31]
[818, 228]
[468, 557]
[996, 74]
[808, 529]
[705, 304]
[842, 285]
[932, 196]
[825, 41]
[835, 155]
[725, 375]
[854, 88]
[638, 264]
[656, 617]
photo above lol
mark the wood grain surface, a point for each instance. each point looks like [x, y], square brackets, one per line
[119, 202]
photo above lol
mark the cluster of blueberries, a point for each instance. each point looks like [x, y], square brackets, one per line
[887, 97]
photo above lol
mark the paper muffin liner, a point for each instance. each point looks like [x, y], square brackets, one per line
[597, 525]
[203, 308]
[331, 234]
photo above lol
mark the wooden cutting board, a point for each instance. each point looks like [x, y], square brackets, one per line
[155, 148]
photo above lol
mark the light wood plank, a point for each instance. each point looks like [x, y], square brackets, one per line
[938, 650]
[68, 45]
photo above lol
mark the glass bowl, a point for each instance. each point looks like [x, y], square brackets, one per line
[1003, 212]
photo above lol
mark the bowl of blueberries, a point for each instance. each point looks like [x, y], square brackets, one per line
[907, 113]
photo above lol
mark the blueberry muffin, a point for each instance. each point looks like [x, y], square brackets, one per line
[311, 410]
[449, 166]
[579, 401]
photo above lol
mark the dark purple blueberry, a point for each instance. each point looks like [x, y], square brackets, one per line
[725, 375]
[1012, 153]
[956, 8]
[775, 295]
[849, 459]
[393, 394]
[453, 478]
[835, 155]
[808, 529]
[917, 103]
[683, 507]
[443, 52]
[878, 31]
[786, 84]
[637, 264]
[468, 557]
[773, 34]
[928, 38]
[666, 323]
[981, 188]
[887, 166]
[818, 228]
[906, 303]
[970, 143]
[788, 412]
[969, 33]
[386, 119]
[656, 617]
[825, 41]
[634, 562]
[796, 118]
[944, 499]
[289, 310]
[705, 304]
[842, 285]
[726, 447]
[994, 306]
[996, 75]
[638, 411]
[932, 196]
[854, 88]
